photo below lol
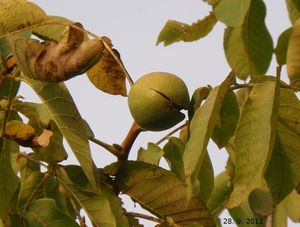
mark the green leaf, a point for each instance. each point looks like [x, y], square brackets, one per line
[232, 18]
[175, 31]
[243, 216]
[31, 189]
[108, 76]
[256, 125]
[201, 129]
[37, 113]
[249, 48]
[103, 209]
[293, 10]
[151, 155]
[160, 192]
[261, 202]
[26, 166]
[50, 216]
[173, 153]
[52, 32]
[206, 178]
[199, 95]
[66, 116]
[17, 14]
[9, 180]
[5, 87]
[293, 53]
[283, 172]
[282, 46]
[227, 121]
[220, 194]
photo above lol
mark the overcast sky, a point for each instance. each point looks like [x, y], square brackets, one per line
[133, 26]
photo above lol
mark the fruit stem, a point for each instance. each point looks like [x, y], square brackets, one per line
[112, 149]
[127, 143]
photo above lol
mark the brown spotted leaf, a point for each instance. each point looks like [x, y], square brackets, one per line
[55, 62]
[160, 192]
[108, 76]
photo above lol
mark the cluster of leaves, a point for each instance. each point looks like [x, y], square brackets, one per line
[256, 122]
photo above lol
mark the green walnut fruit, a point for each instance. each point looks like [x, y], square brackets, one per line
[156, 100]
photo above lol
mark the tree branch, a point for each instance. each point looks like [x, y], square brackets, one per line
[127, 143]
[6, 115]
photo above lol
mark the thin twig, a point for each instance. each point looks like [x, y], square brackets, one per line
[171, 133]
[112, 149]
[106, 45]
[278, 72]
[33, 160]
[6, 115]
[46, 176]
[239, 86]
[144, 216]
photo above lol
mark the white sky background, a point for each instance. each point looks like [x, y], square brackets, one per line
[133, 26]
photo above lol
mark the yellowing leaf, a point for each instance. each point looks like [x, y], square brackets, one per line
[18, 14]
[293, 55]
[293, 10]
[175, 31]
[107, 75]
[254, 139]
[151, 155]
[54, 62]
[22, 133]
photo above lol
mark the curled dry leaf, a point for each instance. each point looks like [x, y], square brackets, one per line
[56, 61]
